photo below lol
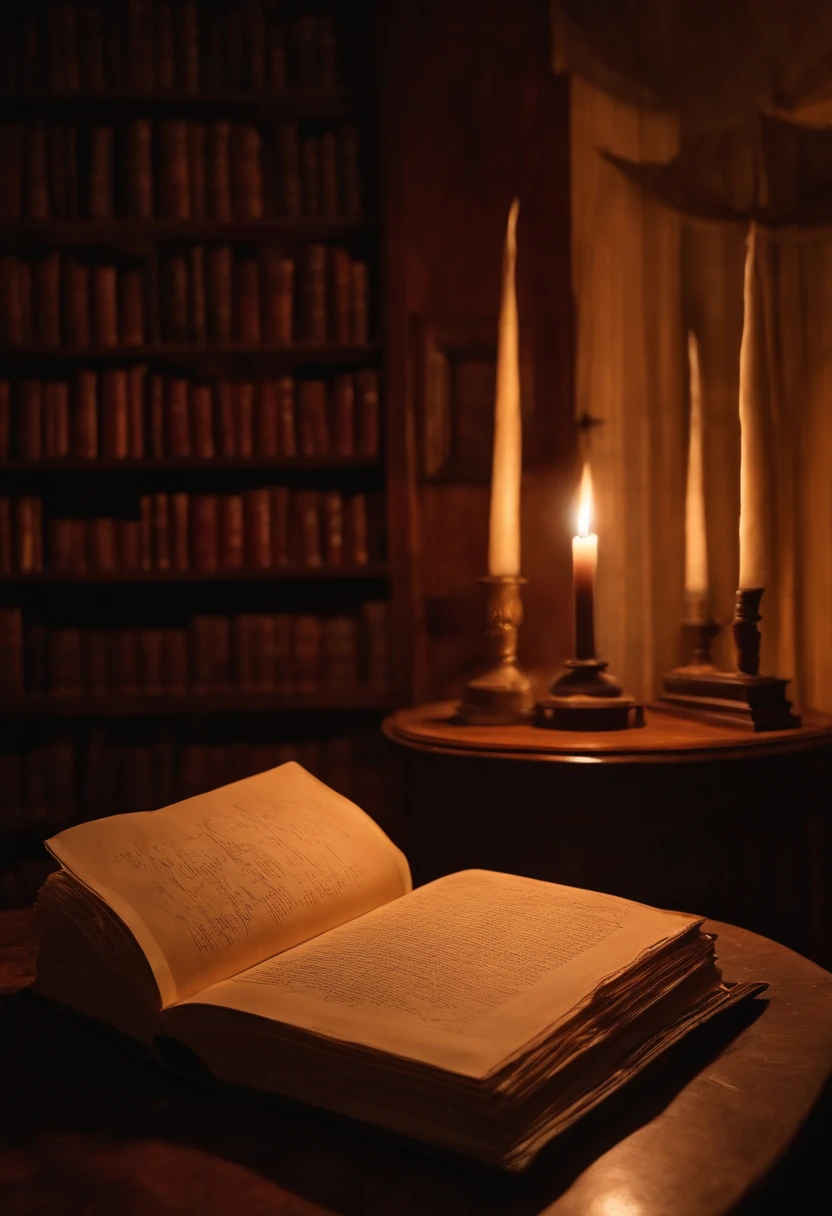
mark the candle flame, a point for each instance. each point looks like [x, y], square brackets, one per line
[585, 503]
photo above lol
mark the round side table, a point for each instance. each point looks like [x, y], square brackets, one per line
[680, 814]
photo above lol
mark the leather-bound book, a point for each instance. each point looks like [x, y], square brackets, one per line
[265, 643]
[66, 670]
[175, 649]
[128, 545]
[280, 510]
[202, 421]
[306, 654]
[367, 412]
[198, 320]
[236, 75]
[178, 418]
[325, 53]
[343, 415]
[332, 522]
[174, 193]
[376, 661]
[243, 652]
[136, 378]
[160, 531]
[115, 432]
[198, 170]
[356, 547]
[350, 170]
[221, 653]
[103, 545]
[219, 294]
[63, 62]
[35, 660]
[341, 653]
[76, 303]
[247, 173]
[155, 304]
[145, 532]
[91, 48]
[124, 662]
[307, 513]
[158, 416]
[165, 61]
[100, 174]
[204, 532]
[95, 662]
[276, 54]
[131, 306]
[312, 294]
[58, 175]
[242, 394]
[340, 278]
[328, 158]
[84, 442]
[286, 415]
[5, 420]
[232, 555]
[253, 22]
[26, 285]
[247, 301]
[56, 420]
[312, 417]
[226, 421]
[284, 677]
[6, 542]
[29, 420]
[289, 169]
[359, 303]
[219, 169]
[11, 170]
[11, 313]
[139, 60]
[47, 296]
[176, 311]
[278, 298]
[311, 171]
[257, 507]
[180, 537]
[187, 45]
[138, 169]
[151, 661]
[72, 185]
[302, 58]
[36, 178]
[267, 430]
[63, 547]
[103, 280]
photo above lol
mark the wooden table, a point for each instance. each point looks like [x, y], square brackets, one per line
[679, 814]
[88, 1129]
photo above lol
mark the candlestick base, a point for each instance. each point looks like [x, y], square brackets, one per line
[586, 698]
[501, 695]
[744, 698]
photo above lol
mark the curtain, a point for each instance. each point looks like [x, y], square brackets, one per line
[643, 275]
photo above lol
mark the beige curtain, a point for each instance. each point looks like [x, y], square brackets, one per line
[642, 276]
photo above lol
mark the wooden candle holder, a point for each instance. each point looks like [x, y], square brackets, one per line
[586, 698]
[743, 698]
[502, 695]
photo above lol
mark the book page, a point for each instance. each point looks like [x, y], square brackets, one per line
[218, 882]
[457, 974]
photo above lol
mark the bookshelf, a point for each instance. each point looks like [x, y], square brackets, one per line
[191, 422]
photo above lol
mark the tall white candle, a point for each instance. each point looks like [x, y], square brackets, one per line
[752, 433]
[504, 523]
[696, 537]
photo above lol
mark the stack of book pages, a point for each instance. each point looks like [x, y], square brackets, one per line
[267, 932]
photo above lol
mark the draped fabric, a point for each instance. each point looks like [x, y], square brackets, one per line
[721, 94]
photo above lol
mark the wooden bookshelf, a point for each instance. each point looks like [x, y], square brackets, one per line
[179, 464]
[49, 578]
[193, 705]
[186, 353]
[130, 234]
[295, 106]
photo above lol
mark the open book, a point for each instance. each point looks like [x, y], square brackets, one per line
[270, 927]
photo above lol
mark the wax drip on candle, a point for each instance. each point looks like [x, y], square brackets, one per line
[504, 522]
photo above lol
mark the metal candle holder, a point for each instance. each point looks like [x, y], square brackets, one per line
[586, 698]
[501, 695]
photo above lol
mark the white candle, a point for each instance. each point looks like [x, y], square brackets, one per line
[696, 537]
[504, 523]
[752, 434]
[584, 565]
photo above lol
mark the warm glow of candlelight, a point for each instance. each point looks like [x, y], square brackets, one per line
[586, 504]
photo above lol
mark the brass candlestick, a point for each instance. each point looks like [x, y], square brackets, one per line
[502, 694]
[586, 698]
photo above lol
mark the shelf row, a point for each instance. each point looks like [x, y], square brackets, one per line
[104, 707]
[131, 233]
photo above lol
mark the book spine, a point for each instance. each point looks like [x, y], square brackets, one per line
[29, 420]
[277, 75]
[231, 532]
[125, 662]
[151, 661]
[165, 57]
[289, 162]
[5, 420]
[36, 180]
[303, 65]
[175, 650]
[308, 525]
[314, 425]
[278, 298]
[359, 306]
[226, 423]
[103, 555]
[58, 175]
[307, 654]
[247, 173]
[136, 377]
[312, 292]
[11, 319]
[254, 43]
[11, 171]
[85, 416]
[198, 321]
[343, 416]
[175, 289]
[341, 299]
[267, 434]
[180, 535]
[95, 662]
[310, 163]
[66, 675]
[138, 196]
[219, 295]
[219, 172]
[56, 420]
[178, 437]
[196, 170]
[350, 170]
[328, 157]
[242, 394]
[325, 48]
[280, 526]
[340, 653]
[286, 416]
[257, 508]
[332, 509]
[63, 547]
[11, 652]
[247, 301]
[204, 532]
[284, 678]
[77, 302]
[174, 184]
[104, 307]
[160, 531]
[131, 306]
[202, 422]
[368, 412]
[158, 435]
[243, 656]
[355, 530]
[6, 544]
[374, 623]
[100, 174]
[47, 284]
[264, 649]
[36, 660]
[188, 46]
[26, 301]
[115, 430]
[145, 533]
[128, 544]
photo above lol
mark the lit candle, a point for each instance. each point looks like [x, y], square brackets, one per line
[696, 537]
[584, 563]
[752, 434]
[504, 524]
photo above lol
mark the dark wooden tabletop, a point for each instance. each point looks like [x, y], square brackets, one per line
[87, 1128]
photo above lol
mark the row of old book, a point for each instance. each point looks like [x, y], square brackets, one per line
[165, 47]
[270, 528]
[177, 169]
[200, 295]
[122, 413]
[285, 654]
